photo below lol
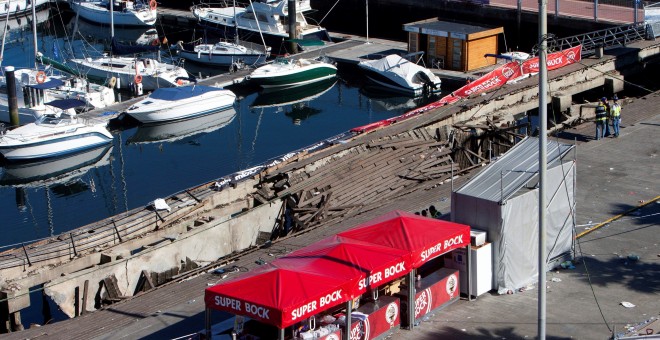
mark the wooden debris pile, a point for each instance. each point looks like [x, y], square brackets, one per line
[364, 178]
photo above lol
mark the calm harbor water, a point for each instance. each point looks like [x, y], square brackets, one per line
[38, 200]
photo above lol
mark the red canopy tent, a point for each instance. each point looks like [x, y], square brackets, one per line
[363, 265]
[277, 296]
[426, 238]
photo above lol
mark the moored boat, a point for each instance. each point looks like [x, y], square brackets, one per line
[126, 13]
[293, 72]
[170, 104]
[54, 135]
[224, 53]
[271, 21]
[396, 73]
[151, 73]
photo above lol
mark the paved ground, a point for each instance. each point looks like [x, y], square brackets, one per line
[615, 176]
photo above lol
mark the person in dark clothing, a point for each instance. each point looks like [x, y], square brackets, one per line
[601, 118]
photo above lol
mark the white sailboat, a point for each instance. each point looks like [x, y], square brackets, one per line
[269, 17]
[34, 87]
[130, 13]
[147, 72]
[234, 54]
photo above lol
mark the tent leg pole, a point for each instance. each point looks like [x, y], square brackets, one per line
[349, 308]
[207, 323]
[411, 300]
[469, 271]
[281, 335]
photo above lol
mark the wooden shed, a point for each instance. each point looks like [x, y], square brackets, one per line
[453, 46]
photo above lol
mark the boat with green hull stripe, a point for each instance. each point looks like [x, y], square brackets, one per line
[284, 72]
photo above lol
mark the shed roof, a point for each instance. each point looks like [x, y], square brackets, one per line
[512, 171]
[437, 27]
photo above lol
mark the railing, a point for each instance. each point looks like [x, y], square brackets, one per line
[614, 11]
[611, 37]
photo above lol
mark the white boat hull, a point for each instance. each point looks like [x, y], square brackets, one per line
[52, 136]
[94, 11]
[154, 76]
[208, 57]
[19, 7]
[152, 111]
[289, 72]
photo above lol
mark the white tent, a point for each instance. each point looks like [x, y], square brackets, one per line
[503, 201]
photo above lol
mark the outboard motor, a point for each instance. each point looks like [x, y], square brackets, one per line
[424, 79]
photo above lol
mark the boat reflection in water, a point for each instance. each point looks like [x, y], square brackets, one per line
[294, 101]
[386, 101]
[178, 130]
[55, 170]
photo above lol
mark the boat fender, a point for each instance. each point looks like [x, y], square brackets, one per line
[112, 82]
[153, 5]
[41, 77]
[138, 79]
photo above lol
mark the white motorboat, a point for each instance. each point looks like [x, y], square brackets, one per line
[126, 13]
[271, 21]
[180, 129]
[399, 74]
[224, 53]
[293, 72]
[34, 88]
[151, 73]
[54, 135]
[184, 102]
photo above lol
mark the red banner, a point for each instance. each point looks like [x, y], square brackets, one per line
[555, 60]
[491, 80]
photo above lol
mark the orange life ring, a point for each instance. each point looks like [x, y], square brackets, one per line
[155, 42]
[179, 82]
[138, 79]
[153, 5]
[41, 77]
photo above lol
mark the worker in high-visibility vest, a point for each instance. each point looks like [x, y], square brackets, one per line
[601, 118]
[615, 113]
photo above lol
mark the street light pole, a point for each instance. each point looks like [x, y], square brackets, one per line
[543, 157]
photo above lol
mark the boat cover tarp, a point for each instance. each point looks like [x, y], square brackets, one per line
[503, 200]
[66, 104]
[398, 65]
[336, 269]
[425, 238]
[50, 84]
[182, 92]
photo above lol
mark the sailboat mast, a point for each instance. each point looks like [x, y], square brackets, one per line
[4, 36]
[34, 33]
[235, 24]
[112, 20]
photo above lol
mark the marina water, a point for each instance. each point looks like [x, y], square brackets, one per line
[39, 200]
